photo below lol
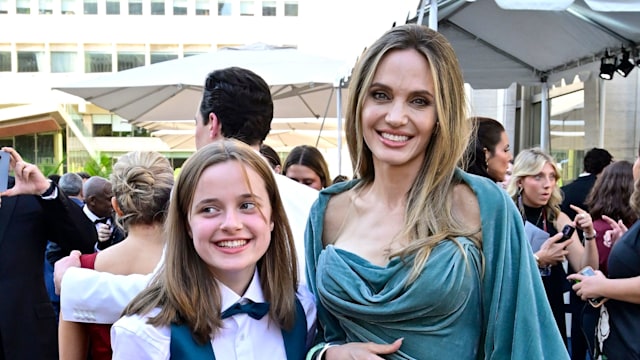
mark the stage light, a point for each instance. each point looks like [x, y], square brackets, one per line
[626, 65]
[608, 66]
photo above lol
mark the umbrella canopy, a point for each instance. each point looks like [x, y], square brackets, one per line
[497, 47]
[285, 134]
[302, 85]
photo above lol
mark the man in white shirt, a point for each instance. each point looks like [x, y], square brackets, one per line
[236, 103]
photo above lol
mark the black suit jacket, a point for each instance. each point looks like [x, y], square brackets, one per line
[28, 328]
[576, 193]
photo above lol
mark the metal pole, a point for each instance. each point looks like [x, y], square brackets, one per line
[601, 112]
[339, 114]
[423, 3]
[544, 118]
[433, 15]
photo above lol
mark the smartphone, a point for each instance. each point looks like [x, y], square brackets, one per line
[567, 232]
[4, 170]
[595, 302]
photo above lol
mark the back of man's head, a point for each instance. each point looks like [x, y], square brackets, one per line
[596, 159]
[242, 103]
[70, 184]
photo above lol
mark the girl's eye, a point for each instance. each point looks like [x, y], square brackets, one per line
[537, 177]
[209, 210]
[247, 206]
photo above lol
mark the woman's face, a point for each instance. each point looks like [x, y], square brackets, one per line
[399, 112]
[304, 175]
[636, 169]
[230, 223]
[537, 189]
[498, 162]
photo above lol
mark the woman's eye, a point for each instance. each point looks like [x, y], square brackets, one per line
[209, 210]
[422, 102]
[379, 95]
[247, 206]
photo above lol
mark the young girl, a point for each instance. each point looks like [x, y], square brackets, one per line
[141, 183]
[230, 260]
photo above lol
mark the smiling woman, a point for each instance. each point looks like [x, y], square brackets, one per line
[412, 223]
[230, 260]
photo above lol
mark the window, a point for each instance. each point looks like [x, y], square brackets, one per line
[23, 7]
[179, 7]
[268, 8]
[5, 61]
[224, 8]
[97, 62]
[113, 7]
[203, 7]
[157, 57]
[247, 8]
[30, 61]
[130, 60]
[4, 6]
[63, 61]
[157, 7]
[90, 7]
[45, 7]
[135, 7]
[68, 7]
[290, 8]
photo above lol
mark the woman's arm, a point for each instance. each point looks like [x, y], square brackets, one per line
[627, 290]
[73, 341]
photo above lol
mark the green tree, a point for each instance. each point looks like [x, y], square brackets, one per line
[101, 166]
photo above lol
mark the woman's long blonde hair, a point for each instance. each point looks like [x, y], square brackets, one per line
[428, 217]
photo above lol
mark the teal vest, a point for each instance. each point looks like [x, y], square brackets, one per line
[184, 347]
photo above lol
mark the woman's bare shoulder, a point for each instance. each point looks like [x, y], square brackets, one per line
[464, 205]
[335, 215]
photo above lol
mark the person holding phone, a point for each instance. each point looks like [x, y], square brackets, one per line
[618, 328]
[32, 211]
[533, 187]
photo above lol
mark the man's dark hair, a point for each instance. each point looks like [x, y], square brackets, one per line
[596, 159]
[242, 103]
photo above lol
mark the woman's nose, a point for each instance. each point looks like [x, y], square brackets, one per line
[397, 115]
[231, 222]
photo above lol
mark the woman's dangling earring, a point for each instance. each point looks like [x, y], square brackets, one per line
[520, 205]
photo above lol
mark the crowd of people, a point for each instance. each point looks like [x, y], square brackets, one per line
[425, 253]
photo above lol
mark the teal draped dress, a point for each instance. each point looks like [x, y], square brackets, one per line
[453, 310]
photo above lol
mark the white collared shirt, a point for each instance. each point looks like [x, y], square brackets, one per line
[241, 338]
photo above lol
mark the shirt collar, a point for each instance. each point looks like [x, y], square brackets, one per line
[254, 293]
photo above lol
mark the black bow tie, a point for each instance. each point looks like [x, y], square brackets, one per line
[255, 310]
[101, 221]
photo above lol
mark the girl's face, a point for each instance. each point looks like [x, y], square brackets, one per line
[304, 175]
[498, 162]
[230, 223]
[399, 112]
[537, 189]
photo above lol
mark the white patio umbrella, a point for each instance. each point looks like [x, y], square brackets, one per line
[302, 86]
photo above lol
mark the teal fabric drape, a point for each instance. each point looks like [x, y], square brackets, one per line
[451, 309]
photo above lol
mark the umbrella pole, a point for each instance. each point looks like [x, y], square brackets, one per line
[544, 118]
[339, 114]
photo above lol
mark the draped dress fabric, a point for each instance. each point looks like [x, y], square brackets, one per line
[457, 308]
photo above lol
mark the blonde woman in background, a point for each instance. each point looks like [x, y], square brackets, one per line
[533, 188]
[141, 183]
